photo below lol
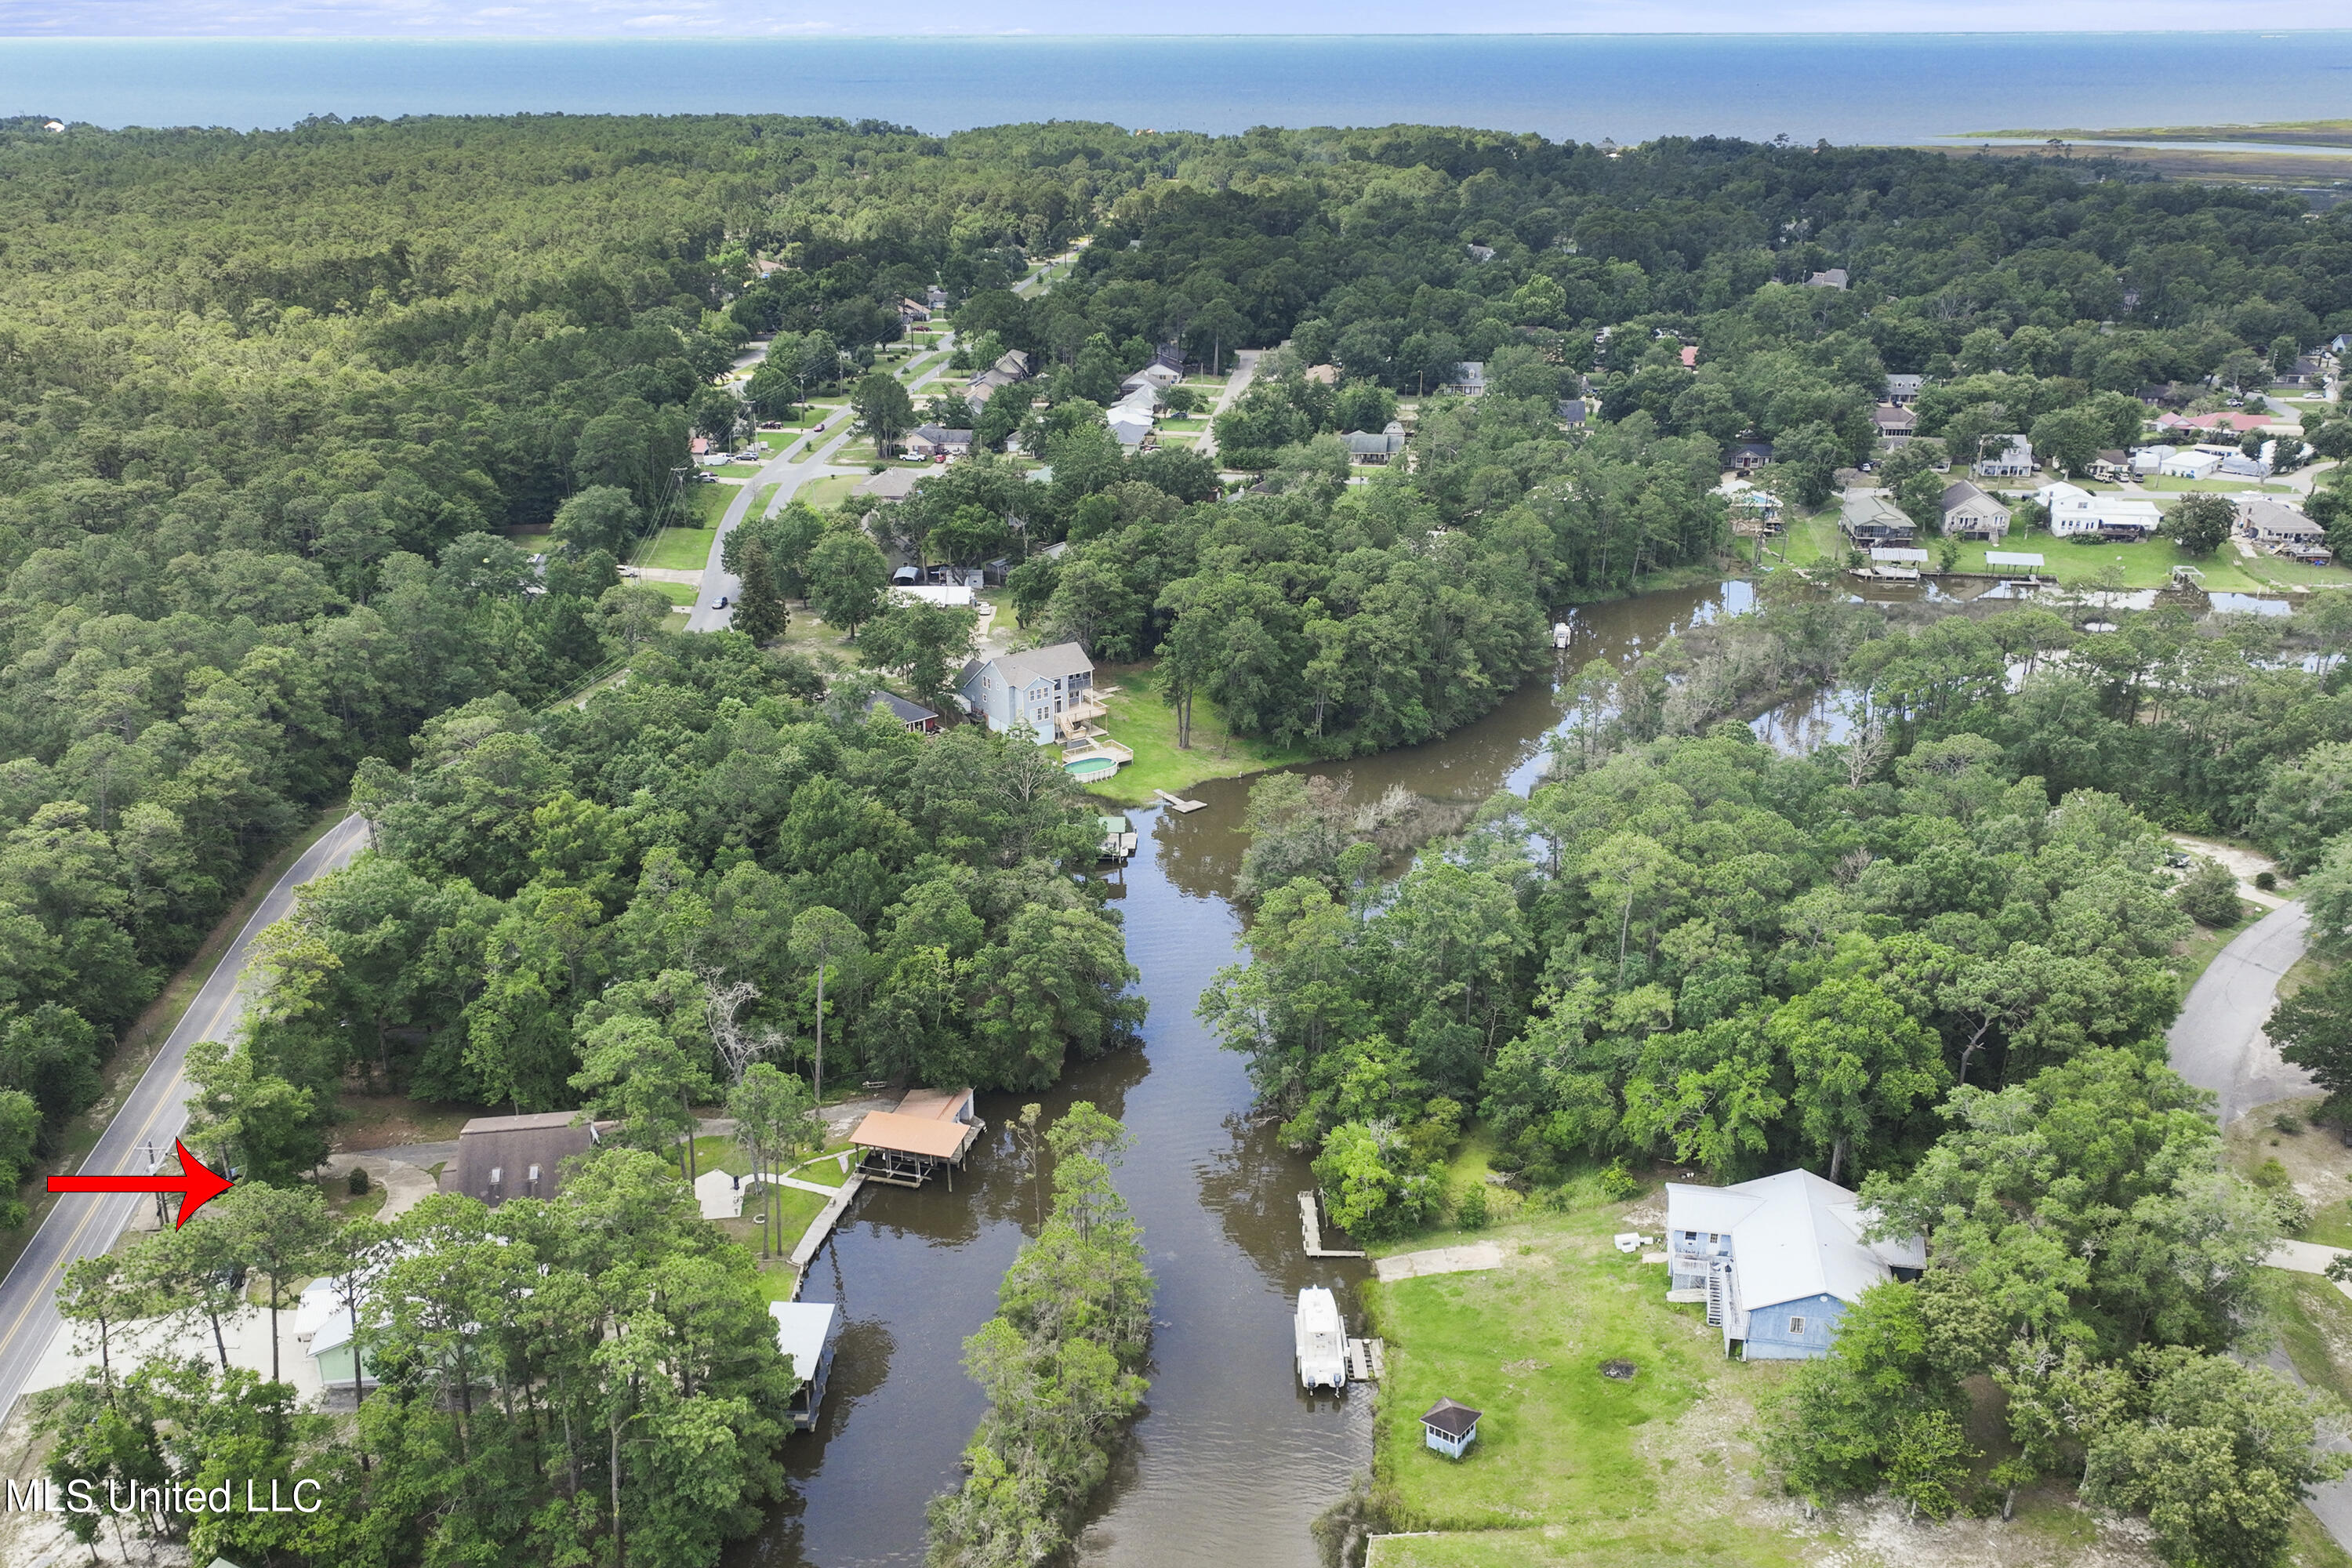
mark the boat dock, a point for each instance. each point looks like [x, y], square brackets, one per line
[1177, 803]
[1310, 1219]
[1367, 1359]
[821, 1228]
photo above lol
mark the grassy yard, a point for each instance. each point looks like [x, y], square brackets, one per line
[1571, 1467]
[2173, 486]
[2202, 943]
[826, 493]
[681, 596]
[1142, 721]
[677, 550]
[708, 503]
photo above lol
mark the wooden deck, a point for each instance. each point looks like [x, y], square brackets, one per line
[1367, 1359]
[1177, 803]
[1311, 1220]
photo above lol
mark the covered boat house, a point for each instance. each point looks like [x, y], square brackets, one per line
[932, 1131]
[804, 1332]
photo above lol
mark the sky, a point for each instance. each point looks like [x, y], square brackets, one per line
[770, 18]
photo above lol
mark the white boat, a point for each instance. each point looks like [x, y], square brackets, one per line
[1560, 633]
[1322, 1341]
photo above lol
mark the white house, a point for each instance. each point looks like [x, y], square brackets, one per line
[1778, 1261]
[1469, 378]
[2075, 512]
[2193, 463]
[1041, 691]
[2014, 460]
[1903, 390]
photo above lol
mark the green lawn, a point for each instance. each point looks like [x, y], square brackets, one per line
[2204, 943]
[2313, 1320]
[681, 595]
[826, 493]
[677, 550]
[735, 470]
[2172, 486]
[1140, 720]
[708, 503]
[1604, 1544]
[1560, 1445]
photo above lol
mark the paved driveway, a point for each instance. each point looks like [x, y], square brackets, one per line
[2218, 1041]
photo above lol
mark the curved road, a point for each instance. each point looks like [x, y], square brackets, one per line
[154, 1111]
[2218, 1043]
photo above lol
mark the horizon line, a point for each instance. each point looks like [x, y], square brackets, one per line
[809, 35]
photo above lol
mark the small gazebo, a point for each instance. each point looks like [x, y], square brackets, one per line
[1450, 1427]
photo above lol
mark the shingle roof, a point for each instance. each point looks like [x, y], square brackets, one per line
[1453, 1419]
[906, 712]
[1057, 662]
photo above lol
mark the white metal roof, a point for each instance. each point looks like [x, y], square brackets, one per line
[1792, 1236]
[801, 1330]
[2012, 558]
[1894, 553]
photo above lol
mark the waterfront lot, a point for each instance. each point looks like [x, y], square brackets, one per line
[1814, 541]
[1569, 1466]
[1141, 720]
[1573, 1469]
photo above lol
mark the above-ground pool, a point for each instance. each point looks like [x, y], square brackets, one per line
[1087, 769]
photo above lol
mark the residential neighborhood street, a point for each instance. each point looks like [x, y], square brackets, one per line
[2218, 1041]
[153, 1114]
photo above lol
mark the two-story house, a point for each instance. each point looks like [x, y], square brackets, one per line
[1046, 692]
[1778, 1261]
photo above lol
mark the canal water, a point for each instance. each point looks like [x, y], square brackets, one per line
[1230, 1461]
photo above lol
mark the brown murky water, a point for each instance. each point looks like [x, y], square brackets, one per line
[1230, 1461]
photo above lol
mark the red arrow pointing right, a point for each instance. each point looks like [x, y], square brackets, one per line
[197, 1185]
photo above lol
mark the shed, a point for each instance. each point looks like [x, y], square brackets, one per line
[502, 1157]
[804, 1332]
[923, 720]
[1450, 1427]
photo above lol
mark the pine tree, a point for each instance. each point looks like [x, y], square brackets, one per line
[760, 612]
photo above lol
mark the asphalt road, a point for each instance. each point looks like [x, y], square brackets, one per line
[788, 474]
[154, 1111]
[2218, 1041]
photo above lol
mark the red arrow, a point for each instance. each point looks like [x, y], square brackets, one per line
[197, 1186]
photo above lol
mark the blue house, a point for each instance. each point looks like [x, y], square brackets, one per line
[1043, 692]
[1449, 1427]
[1778, 1261]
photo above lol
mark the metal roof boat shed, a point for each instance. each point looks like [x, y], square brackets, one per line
[804, 1331]
[932, 1129]
[1450, 1427]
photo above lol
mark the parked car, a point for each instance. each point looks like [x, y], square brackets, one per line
[904, 578]
[722, 601]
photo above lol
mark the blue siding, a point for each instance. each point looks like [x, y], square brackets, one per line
[1768, 1338]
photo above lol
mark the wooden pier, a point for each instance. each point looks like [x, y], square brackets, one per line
[820, 1228]
[1177, 803]
[1311, 1220]
[1367, 1359]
